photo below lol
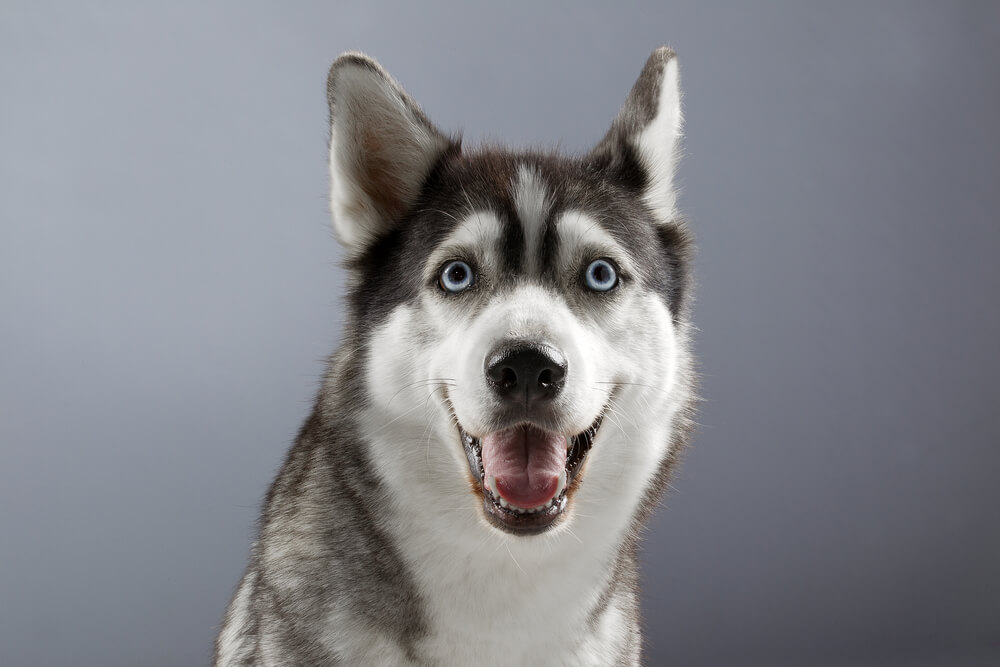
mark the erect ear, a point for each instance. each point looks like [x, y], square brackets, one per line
[642, 145]
[382, 147]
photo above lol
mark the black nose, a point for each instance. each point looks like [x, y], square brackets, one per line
[526, 372]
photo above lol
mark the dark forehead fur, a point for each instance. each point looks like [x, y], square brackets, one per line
[391, 271]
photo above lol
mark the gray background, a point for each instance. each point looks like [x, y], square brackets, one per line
[169, 288]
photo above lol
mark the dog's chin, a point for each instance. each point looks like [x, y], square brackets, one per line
[528, 506]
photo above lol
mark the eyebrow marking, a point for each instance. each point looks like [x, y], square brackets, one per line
[576, 228]
[579, 231]
[478, 232]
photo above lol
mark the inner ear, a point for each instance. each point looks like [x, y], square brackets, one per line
[388, 188]
[640, 149]
[382, 148]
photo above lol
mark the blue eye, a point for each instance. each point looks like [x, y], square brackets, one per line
[456, 276]
[601, 275]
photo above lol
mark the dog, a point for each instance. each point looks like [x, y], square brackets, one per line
[513, 387]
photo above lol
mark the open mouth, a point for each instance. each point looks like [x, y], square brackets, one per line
[525, 473]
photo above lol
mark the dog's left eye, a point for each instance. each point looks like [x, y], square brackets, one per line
[600, 275]
[456, 276]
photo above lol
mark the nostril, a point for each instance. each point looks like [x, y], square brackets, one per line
[557, 372]
[508, 378]
[545, 378]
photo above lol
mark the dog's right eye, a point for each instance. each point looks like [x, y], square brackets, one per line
[456, 276]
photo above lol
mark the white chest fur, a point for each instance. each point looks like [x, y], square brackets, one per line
[498, 599]
[491, 598]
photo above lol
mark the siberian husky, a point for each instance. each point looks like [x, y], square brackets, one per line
[512, 390]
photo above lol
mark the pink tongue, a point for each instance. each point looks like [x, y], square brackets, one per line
[526, 462]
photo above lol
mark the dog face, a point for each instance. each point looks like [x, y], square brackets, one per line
[524, 314]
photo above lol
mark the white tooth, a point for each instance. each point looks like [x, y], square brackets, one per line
[562, 483]
[492, 481]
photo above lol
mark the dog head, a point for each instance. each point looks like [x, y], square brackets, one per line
[522, 315]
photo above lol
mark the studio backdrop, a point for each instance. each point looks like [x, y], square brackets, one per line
[170, 287]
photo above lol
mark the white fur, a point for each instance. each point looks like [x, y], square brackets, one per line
[532, 205]
[230, 640]
[658, 144]
[477, 234]
[581, 236]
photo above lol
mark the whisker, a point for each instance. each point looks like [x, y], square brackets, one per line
[437, 210]
[468, 200]
[636, 384]
[443, 381]
[608, 412]
[511, 554]
[621, 412]
[574, 535]
[407, 412]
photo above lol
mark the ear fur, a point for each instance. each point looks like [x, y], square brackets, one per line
[382, 148]
[645, 136]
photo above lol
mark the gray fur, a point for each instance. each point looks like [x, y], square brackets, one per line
[326, 490]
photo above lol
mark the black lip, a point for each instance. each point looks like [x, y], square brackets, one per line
[529, 524]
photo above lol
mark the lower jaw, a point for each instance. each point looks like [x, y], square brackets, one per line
[527, 523]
